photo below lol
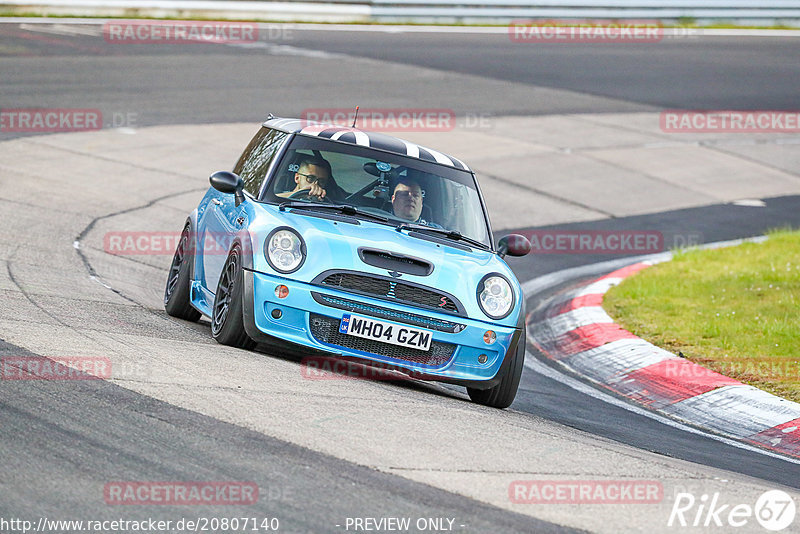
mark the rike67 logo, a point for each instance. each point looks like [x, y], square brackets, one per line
[774, 510]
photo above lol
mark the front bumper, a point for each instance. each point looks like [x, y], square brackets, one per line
[310, 316]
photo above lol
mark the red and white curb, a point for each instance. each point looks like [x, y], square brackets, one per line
[573, 330]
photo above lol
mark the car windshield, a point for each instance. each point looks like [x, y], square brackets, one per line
[401, 189]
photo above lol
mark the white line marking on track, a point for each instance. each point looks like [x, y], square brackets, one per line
[286, 50]
[63, 29]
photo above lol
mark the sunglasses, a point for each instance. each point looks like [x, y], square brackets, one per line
[314, 179]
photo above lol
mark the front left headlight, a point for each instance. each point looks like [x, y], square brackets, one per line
[495, 296]
[285, 250]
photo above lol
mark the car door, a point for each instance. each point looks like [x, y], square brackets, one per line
[223, 219]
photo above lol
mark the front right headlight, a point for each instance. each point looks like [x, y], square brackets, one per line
[285, 250]
[495, 296]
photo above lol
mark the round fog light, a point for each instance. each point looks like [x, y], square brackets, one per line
[489, 337]
[281, 292]
[276, 313]
[482, 358]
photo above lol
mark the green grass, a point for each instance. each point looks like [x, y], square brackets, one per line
[734, 310]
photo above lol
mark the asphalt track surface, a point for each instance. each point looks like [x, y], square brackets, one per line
[720, 73]
[307, 491]
[199, 84]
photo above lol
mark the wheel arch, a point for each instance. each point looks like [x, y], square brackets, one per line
[247, 247]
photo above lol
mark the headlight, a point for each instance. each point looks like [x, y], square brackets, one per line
[285, 250]
[495, 296]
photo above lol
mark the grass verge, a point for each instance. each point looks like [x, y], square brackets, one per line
[734, 310]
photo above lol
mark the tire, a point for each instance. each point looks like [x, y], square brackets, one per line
[177, 293]
[227, 322]
[503, 394]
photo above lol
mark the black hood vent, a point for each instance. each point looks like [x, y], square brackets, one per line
[395, 262]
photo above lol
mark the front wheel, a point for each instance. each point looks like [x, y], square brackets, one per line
[502, 395]
[227, 322]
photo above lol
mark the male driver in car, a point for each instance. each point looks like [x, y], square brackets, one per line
[407, 201]
[312, 174]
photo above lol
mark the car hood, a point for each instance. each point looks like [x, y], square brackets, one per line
[335, 245]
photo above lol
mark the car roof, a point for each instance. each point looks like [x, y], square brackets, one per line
[356, 136]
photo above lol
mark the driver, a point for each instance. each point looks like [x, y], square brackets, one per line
[407, 198]
[313, 174]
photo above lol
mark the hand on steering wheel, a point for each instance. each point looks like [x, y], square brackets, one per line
[308, 193]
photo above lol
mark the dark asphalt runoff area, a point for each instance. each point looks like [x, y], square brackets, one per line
[59, 440]
[199, 83]
[682, 72]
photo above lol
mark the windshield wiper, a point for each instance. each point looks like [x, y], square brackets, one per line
[451, 234]
[345, 209]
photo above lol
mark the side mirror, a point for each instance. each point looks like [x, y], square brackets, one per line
[513, 245]
[228, 182]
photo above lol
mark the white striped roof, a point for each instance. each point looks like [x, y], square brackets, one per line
[359, 137]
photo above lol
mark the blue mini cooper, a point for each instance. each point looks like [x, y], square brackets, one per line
[355, 245]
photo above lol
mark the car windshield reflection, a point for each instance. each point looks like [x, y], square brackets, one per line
[397, 189]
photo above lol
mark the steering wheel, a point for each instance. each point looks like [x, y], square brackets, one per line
[306, 194]
[362, 191]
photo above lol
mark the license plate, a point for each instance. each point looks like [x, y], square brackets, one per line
[413, 338]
